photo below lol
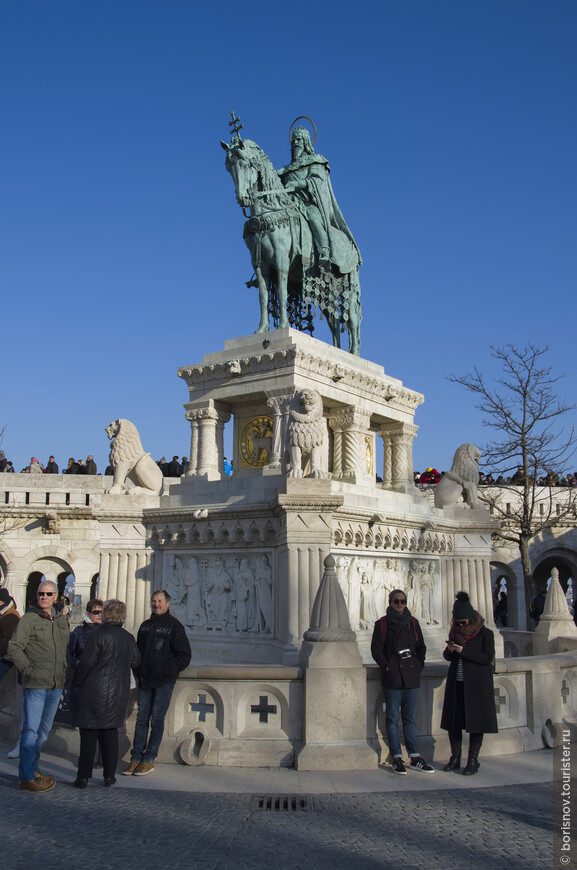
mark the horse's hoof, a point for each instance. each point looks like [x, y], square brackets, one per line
[262, 329]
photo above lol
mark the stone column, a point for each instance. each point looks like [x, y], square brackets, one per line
[279, 404]
[398, 441]
[103, 576]
[144, 571]
[113, 576]
[388, 459]
[16, 587]
[122, 577]
[130, 587]
[211, 419]
[350, 426]
[192, 417]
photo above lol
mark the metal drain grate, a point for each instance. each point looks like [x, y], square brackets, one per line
[281, 803]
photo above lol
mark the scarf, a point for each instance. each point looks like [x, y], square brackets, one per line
[461, 634]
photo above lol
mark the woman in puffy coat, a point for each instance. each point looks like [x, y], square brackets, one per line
[469, 700]
[102, 681]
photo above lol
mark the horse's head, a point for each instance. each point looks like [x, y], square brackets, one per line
[243, 159]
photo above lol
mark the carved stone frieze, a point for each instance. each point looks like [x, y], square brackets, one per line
[224, 594]
[366, 582]
[388, 537]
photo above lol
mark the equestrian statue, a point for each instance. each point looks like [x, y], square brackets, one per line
[304, 256]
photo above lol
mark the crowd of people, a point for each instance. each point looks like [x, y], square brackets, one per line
[99, 662]
[178, 467]
[175, 468]
[36, 467]
[432, 476]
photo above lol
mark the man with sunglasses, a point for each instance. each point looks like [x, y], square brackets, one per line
[38, 649]
[399, 649]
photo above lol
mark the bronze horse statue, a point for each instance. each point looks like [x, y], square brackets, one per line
[291, 283]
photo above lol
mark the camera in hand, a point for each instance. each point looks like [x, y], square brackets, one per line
[404, 653]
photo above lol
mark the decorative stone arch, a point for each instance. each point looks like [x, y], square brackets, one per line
[560, 557]
[191, 710]
[198, 713]
[506, 701]
[6, 559]
[51, 561]
[263, 722]
[511, 649]
[516, 598]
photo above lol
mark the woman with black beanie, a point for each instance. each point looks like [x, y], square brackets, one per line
[469, 700]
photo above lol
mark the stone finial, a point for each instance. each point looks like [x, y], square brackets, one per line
[556, 631]
[556, 608]
[330, 617]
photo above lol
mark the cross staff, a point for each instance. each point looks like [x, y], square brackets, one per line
[235, 125]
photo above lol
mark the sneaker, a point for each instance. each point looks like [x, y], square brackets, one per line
[39, 783]
[131, 768]
[144, 768]
[398, 765]
[418, 763]
[14, 753]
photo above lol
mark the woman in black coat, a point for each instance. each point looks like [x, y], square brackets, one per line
[102, 681]
[469, 700]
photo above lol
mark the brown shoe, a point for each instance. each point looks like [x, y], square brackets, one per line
[131, 768]
[144, 768]
[39, 783]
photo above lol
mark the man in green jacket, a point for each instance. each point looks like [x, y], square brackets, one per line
[38, 649]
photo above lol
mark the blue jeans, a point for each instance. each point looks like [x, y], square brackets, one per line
[406, 701]
[153, 706]
[39, 707]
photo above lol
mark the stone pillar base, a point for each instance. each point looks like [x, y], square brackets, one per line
[335, 704]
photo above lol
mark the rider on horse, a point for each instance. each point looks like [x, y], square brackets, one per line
[307, 177]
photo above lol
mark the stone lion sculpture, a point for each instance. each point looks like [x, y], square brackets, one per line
[461, 480]
[129, 460]
[306, 433]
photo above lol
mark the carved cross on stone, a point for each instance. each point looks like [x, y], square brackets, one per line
[263, 708]
[202, 708]
[565, 691]
[235, 125]
[500, 700]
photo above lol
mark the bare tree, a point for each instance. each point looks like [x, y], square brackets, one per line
[522, 405]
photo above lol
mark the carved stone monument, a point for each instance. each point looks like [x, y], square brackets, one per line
[279, 571]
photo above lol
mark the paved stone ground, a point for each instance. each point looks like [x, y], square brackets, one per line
[501, 828]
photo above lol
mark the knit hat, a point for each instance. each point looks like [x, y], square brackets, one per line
[462, 608]
[4, 596]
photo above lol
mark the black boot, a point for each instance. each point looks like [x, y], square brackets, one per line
[475, 743]
[454, 762]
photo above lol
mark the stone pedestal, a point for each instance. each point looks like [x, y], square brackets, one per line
[335, 690]
[335, 701]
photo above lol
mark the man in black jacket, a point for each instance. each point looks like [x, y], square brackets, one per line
[165, 652]
[399, 649]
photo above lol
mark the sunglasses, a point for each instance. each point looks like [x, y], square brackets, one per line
[399, 600]
[45, 594]
[461, 622]
[95, 611]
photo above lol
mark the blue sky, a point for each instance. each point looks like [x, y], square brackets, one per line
[451, 132]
